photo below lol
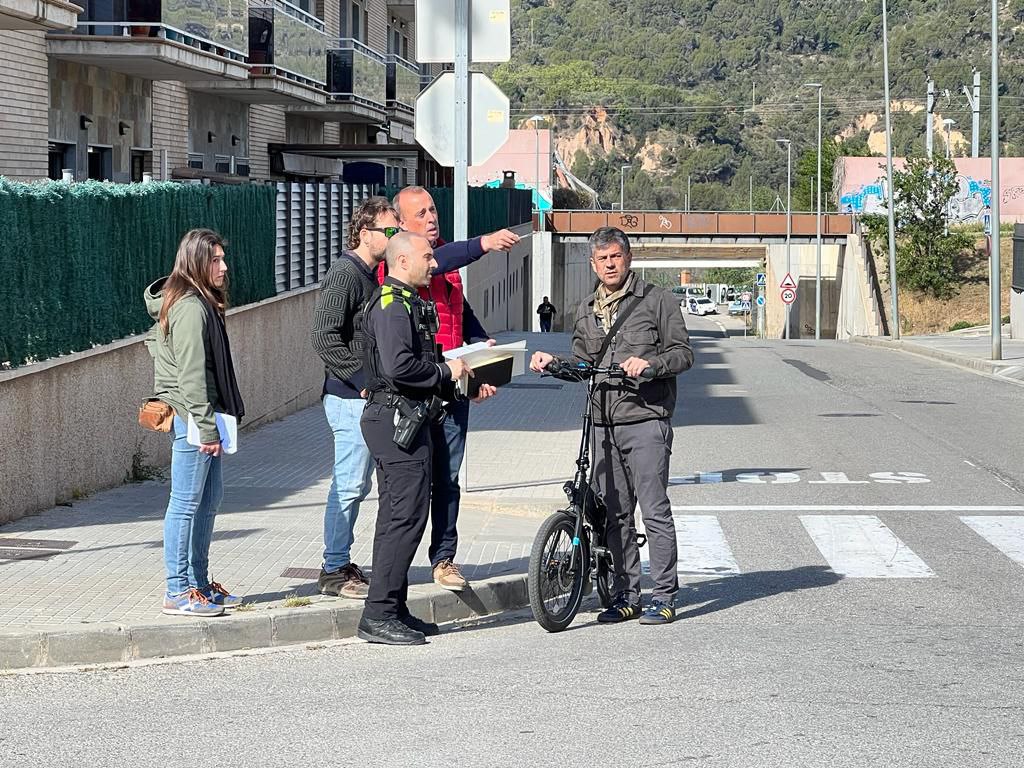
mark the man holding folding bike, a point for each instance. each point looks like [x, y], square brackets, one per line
[639, 327]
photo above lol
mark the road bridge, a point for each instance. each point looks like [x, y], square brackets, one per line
[699, 240]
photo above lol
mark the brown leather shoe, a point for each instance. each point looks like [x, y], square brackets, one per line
[448, 576]
[348, 581]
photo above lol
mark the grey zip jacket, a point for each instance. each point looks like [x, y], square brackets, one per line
[654, 331]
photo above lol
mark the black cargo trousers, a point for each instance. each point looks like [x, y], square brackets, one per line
[403, 482]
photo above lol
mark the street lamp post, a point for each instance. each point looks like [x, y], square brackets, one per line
[995, 308]
[536, 133]
[894, 330]
[622, 184]
[948, 123]
[817, 222]
[789, 216]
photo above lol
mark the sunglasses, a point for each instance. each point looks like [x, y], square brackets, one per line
[389, 232]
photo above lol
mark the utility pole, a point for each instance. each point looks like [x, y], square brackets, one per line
[974, 99]
[688, 194]
[751, 193]
[929, 120]
[894, 329]
[817, 222]
[994, 289]
[789, 217]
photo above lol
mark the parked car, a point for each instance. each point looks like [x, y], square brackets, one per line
[737, 308]
[701, 305]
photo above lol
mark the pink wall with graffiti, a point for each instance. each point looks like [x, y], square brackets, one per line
[861, 187]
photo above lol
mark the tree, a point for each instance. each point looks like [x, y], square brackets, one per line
[926, 253]
[738, 276]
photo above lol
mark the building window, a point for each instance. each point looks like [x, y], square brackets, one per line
[356, 17]
[61, 156]
[195, 160]
[100, 163]
[140, 164]
[405, 48]
[222, 164]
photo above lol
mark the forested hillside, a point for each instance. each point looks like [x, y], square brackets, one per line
[702, 88]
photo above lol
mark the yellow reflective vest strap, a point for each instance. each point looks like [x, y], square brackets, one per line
[388, 293]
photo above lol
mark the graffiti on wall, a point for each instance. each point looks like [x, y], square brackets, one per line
[972, 199]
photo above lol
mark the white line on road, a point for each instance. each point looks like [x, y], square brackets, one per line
[702, 546]
[1004, 533]
[842, 508]
[861, 546]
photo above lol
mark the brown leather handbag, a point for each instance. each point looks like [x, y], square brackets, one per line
[156, 415]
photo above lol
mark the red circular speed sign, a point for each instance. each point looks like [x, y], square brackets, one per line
[788, 295]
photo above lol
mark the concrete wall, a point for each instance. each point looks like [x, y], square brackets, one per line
[498, 286]
[73, 418]
[24, 93]
[267, 124]
[858, 312]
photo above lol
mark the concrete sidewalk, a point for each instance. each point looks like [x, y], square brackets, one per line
[82, 584]
[971, 349]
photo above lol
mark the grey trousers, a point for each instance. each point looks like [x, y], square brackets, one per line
[632, 467]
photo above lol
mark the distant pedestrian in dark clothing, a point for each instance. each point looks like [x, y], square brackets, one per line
[546, 310]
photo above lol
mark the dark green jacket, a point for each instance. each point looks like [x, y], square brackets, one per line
[183, 367]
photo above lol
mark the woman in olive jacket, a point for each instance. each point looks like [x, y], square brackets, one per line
[193, 374]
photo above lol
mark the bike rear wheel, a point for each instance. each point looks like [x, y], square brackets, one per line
[556, 589]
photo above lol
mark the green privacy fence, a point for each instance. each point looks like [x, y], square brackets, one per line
[490, 208]
[76, 258]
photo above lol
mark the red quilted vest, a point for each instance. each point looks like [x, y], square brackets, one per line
[446, 292]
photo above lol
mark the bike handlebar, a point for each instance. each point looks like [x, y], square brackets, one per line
[560, 369]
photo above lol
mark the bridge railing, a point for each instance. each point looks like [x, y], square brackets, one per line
[696, 224]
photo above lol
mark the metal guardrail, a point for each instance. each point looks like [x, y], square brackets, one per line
[154, 30]
[404, 83]
[356, 73]
[669, 223]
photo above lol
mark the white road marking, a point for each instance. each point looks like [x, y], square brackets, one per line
[1005, 533]
[861, 546]
[842, 508]
[703, 550]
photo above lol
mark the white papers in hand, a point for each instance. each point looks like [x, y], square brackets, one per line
[227, 425]
[481, 354]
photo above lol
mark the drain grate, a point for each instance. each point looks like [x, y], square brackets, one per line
[310, 574]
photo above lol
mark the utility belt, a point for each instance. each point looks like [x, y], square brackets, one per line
[410, 415]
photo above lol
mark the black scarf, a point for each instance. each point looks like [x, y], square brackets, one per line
[224, 369]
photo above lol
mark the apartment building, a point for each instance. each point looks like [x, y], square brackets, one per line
[223, 89]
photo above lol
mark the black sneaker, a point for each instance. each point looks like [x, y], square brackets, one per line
[428, 628]
[659, 612]
[388, 632]
[620, 610]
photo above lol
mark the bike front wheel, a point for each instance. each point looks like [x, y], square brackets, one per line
[555, 584]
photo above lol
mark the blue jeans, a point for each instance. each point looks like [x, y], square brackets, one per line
[197, 487]
[353, 475]
[449, 444]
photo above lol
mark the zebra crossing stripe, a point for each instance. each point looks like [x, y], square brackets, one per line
[862, 547]
[1005, 533]
[702, 546]
[703, 550]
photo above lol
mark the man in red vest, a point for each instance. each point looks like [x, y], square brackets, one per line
[458, 326]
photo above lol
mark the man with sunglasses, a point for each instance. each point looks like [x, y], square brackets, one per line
[458, 325]
[337, 337]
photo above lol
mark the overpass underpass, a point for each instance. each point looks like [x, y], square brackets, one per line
[851, 299]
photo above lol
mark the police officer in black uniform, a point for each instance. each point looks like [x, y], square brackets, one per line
[406, 382]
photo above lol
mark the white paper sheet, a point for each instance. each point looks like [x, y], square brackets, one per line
[227, 425]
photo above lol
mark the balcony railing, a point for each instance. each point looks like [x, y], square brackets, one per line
[403, 83]
[356, 74]
[217, 26]
[285, 40]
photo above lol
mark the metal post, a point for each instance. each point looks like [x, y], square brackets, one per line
[929, 120]
[622, 185]
[995, 313]
[751, 193]
[540, 213]
[893, 285]
[817, 222]
[789, 220]
[976, 108]
[687, 194]
[462, 152]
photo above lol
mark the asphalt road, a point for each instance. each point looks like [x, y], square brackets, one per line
[856, 525]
